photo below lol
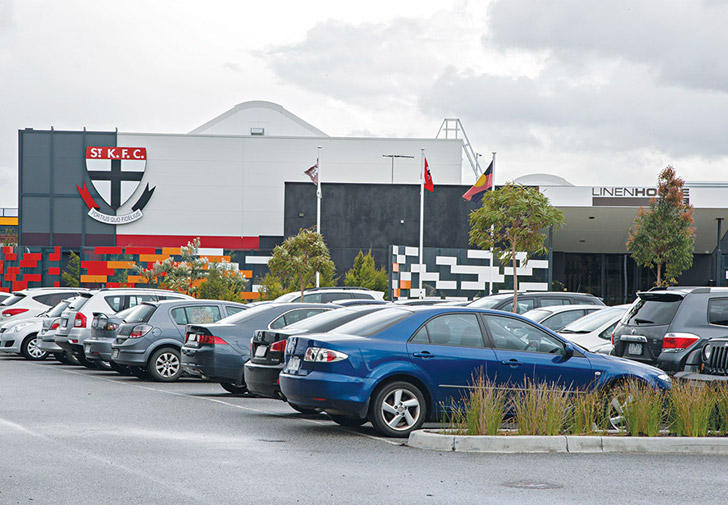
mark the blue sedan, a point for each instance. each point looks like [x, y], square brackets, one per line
[399, 367]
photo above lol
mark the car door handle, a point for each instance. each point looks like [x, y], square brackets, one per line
[423, 354]
[512, 362]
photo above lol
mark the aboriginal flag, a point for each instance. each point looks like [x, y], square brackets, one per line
[483, 184]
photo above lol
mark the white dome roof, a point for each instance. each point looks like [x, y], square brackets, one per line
[542, 180]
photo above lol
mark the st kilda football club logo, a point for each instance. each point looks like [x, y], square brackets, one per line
[115, 173]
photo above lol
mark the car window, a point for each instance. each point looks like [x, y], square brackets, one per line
[233, 309]
[115, 302]
[178, 315]
[202, 314]
[651, 312]
[550, 302]
[591, 321]
[487, 302]
[44, 299]
[523, 305]
[516, 335]
[606, 334]
[362, 296]
[558, 321]
[330, 297]
[461, 330]
[79, 302]
[537, 314]
[311, 298]
[58, 309]
[140, 313]
[135, 300]
[373, 323]
[718, 311]
[12, 300]
[293, 316]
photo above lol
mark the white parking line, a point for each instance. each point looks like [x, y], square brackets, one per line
[215, 400]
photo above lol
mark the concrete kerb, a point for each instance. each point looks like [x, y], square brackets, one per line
[504, 444]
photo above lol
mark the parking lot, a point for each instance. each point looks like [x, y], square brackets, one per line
[70, 435]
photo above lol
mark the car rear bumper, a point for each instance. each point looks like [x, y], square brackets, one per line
[334, 393]
[97, 349]
[216, 362]
[130, 352]
[262, 380]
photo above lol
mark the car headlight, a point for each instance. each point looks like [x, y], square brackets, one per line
[707, 350]
[664, 378]
[20, 326]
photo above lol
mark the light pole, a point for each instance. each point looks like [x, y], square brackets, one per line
[395, 156]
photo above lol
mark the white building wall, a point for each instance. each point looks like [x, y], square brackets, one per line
[234, 185]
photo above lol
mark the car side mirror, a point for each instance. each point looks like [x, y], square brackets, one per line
[568, 350]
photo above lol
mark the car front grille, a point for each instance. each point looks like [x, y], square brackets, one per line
[718, 362]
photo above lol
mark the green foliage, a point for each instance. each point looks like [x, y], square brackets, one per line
[541, 409]
[296, 261]
[643, 409]
[510, 220]
[271, 287]
[364, 274]
[691, 407]
[222, 283]
[662, 235]
[177, 275]
[71, 277]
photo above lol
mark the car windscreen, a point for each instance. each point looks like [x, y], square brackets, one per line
[246, 314]
[651, 312]
[487, 302]
[371, 324]
[138, 314]
[537, 314]
[78, 302]
[58, 309]
[12, 300]
[592, 321]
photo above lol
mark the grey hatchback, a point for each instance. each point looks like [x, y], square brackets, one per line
[150, 339]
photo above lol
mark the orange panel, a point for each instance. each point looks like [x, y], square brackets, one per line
[395, 267]
[405, 284]
[171, 251]
[153, 257]
[121, 264]
[249, 295]
[248, 274]
[396, 293]
[93, 278]
[135, 279]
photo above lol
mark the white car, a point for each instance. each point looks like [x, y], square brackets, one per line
[594, 331]
[23, 336]
[333, 294]
[556, 317]
[32, 301]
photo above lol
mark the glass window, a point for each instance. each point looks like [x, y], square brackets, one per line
[58, 309]
[460, 330]
[373, 323]
[516, 335]
[550, 302]
[140, 314]
[522, 305]
[13, 299]
[329, 320]
[332, 297]
[78, 302]
[311, 298]
[179, 316]
[607, 333]
[362, 296]
[558, 321]
[202, 314]
[421, 336]
[44, 299]
[487, 302]
[233, 309]
[652, 312]
[116, 302]
[718, 311]
[592, 321]
[293, 316]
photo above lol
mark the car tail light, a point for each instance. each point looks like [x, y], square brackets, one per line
[79, 321]
[13, 312]
[139, 330]
[279, 346]
[55, 325]
[612, 335]
[322, 355]
[210, 339]
[679, 340]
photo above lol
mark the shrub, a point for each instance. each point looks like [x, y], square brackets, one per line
[643, 408]
[541, 409]
[587, 413]
[485, 408]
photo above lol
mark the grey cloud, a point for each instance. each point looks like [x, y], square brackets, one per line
[682, 41]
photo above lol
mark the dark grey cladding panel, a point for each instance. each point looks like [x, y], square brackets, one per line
[59, 210]
[361, 216]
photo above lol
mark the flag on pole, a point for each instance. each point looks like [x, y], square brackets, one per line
[313, 173]
[429, 185]
[483, 184]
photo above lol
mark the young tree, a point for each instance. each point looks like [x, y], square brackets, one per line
[299, 258]
[364, 273]
[662, 235]
[71, 276]
[177, 275]
[222, 283]
[509, 221]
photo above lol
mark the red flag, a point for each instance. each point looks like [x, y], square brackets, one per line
[429, 186]
[313, 173]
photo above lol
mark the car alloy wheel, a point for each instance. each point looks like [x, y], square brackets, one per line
[236, 389]
[164, 365]
[398, 409]
[618, 402]
[31, 349]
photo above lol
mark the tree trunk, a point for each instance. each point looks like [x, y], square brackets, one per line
[303, 286]
[659, 274]
[515, 280]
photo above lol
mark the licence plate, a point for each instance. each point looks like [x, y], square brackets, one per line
[87, 349]
[260, 351]
[64, 323]
[293, 364]
[635, 349]
[115, 354]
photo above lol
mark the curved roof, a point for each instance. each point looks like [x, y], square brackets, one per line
[542, 180]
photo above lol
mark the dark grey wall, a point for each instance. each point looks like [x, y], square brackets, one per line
[358, 217]
[52, 213]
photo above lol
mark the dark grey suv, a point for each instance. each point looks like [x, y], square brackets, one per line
[668, 328]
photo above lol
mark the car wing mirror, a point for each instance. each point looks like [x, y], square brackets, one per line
[568, 350]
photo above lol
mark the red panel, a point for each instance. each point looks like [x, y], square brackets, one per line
[95, 269]
[55, 255]
[13, 270]
[33, 256]
[10, 277]
[32, 278]
[108, 250]
[57, 284]
[116, 153]
[10, 256]
[221, 242]
[28, 263]
[19, 285]
[113, 284]
[8, 250]
[141, 250]
[5, 290]
[2, 267]
[54, 271]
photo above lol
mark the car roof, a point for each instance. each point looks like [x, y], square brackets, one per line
[566, 308]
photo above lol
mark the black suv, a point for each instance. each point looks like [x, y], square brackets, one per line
[532, 299]
[669, 327]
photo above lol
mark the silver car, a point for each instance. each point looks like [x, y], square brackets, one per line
[150, 339]
[23, 336]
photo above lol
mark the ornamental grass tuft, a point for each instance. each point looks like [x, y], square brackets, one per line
[541, 409]
[690, 409]
[642, 408]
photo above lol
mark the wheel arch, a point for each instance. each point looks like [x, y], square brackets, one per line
[405, 377]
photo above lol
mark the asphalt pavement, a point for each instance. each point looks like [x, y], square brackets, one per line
[69, 435]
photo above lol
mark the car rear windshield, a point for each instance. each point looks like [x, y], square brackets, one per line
[592, 321]
[125, 314]
[372, 324]
[487, 302]
[651, 312]
[13, 299]
[328, 320]
[58, 309]
[537, 314]
[246, 314]
[78, 302]
[139, 314]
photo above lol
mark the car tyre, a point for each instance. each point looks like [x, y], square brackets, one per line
[347, 420]
[236, 389]
[30, 349]
[139, 372]
[398, 409]
[303, 410]
[165, 365]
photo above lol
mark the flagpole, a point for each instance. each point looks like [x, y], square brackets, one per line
[492, 260]
[318, 204]
[422, 216]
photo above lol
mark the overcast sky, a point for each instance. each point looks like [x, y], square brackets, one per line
[599, 92]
